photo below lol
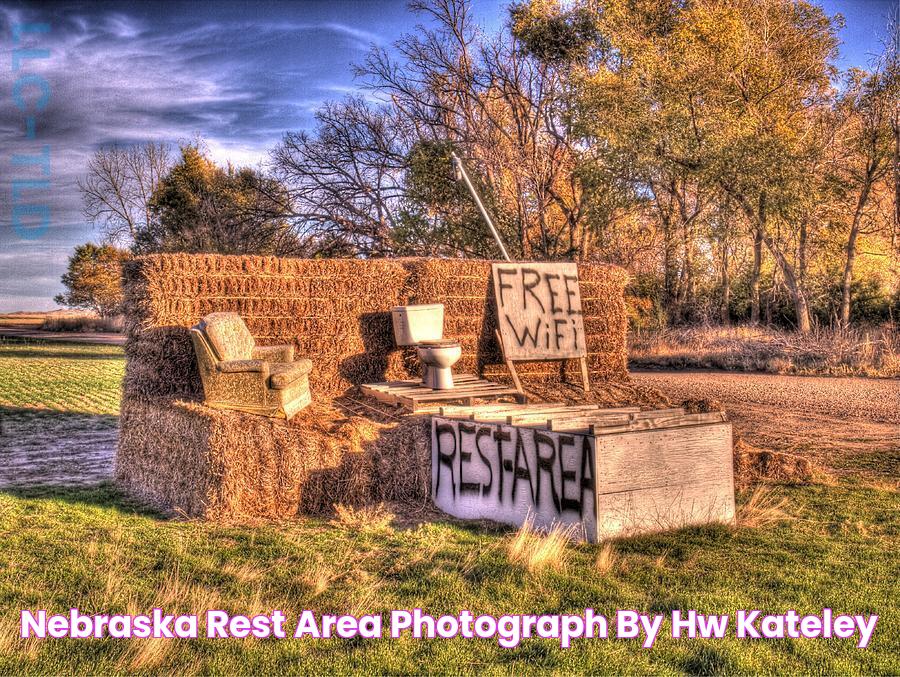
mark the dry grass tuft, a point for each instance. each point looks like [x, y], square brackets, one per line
[244, 573]
[145, 654]
[831, 352]
[753, 465]
[606, 559]
[367, 518]
[536, 550]
[13, 646]
[318, 577]
[764, 508]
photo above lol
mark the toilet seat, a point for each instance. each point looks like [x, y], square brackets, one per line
[439, 343]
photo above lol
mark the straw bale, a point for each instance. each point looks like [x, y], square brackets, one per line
[218, 464]
[190, 459]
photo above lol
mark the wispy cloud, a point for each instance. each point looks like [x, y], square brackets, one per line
[167, 72]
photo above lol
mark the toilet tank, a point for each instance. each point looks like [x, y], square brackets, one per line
[414, 324]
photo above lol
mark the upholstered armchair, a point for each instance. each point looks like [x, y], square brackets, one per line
[238, 374]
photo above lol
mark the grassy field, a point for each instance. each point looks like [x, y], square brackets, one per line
[62, 377]
[806, 548]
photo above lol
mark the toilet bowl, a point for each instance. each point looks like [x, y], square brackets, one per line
[438, 357]
[423, 326]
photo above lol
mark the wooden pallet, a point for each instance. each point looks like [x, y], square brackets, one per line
[412, 395]
[585, 419]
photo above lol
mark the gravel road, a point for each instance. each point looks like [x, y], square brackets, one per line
[846, 398]
[844, 424]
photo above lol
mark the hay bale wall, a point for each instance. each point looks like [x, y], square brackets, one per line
[335, 312]
[188, 458]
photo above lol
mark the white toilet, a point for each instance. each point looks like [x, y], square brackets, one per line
[423, 326]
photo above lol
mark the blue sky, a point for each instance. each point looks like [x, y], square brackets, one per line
[239, 74]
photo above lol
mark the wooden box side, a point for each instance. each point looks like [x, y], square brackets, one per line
[657, 480]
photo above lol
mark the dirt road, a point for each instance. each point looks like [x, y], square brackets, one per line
[67, 336]
[844, 424]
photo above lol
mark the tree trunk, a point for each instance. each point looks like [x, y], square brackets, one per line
[795, 289]
[755, 274]
[758, 235]
[726, 288]
[791, 281]
[801, 254]
[689, 284]
[847, 279]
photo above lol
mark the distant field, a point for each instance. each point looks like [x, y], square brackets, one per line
[804, 548]
[22, 319]
[61, 322]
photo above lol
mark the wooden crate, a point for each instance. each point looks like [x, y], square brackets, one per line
[415, 397]
[613, 473]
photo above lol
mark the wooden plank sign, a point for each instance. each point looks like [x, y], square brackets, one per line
[606, 485]
[539, 310]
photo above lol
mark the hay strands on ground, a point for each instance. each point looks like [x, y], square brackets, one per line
[414, 396]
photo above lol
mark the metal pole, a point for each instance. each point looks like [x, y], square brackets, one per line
[462, 174]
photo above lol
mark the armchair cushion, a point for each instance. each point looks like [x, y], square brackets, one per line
[236, 366]
[274, 353]
[283, 374]
[228, 336]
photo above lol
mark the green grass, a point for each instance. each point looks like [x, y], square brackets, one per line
[94, 550]
[66, 377]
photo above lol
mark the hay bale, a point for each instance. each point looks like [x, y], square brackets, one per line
[334, 311]
[401, 462]
[184, 457]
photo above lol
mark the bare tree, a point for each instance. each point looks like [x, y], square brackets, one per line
[119, 184]
[346, 180]
[502, 108]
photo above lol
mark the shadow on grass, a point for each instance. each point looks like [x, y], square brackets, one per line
[101, 495]
[709, 660]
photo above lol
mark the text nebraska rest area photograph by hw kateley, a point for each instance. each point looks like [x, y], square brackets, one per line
[450, 336]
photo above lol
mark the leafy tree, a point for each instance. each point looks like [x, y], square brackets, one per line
[93, 279]
[448, 216]
[716, 97]
[201, 207]
[861, 169]
[553, 34]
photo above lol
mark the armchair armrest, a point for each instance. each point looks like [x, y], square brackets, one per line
[284, 353]
[244, 366]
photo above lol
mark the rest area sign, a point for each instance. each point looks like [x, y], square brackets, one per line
[539, 310]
